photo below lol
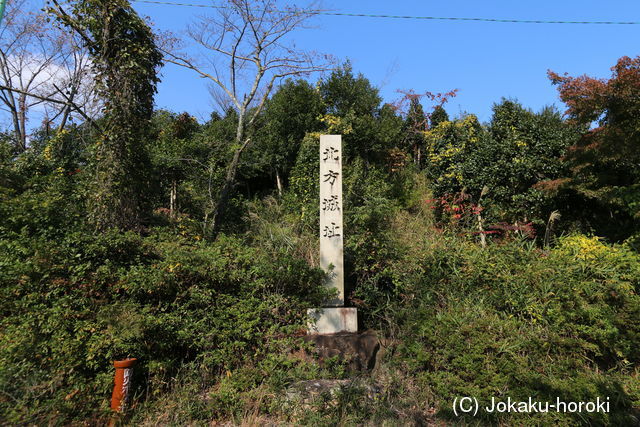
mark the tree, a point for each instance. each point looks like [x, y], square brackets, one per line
[172, 153]
[525, 148]
[125, 61]
[505, 160]
[353, 105]
[449, 147]
[294, 110]
[417, 122]
[389, 127]
[605, 162]
[438, 115]
[343, 92]
[248, 49]
[415, 125]
[44, 66]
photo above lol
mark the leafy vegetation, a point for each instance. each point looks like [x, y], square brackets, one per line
[480, 253]
[125, 61]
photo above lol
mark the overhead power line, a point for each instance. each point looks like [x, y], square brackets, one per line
[424, 18]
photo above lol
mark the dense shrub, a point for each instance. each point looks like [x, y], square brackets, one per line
[69, 308]
[40, 195]
[512, 320]
[507, 158]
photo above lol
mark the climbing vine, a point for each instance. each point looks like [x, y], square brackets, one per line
[125, 60]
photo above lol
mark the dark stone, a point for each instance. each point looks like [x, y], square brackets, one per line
[305, 392]
[357, 349]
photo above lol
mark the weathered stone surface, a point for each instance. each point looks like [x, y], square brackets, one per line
[358, 350]
[306, 392]
[331, 231]
[333, 320]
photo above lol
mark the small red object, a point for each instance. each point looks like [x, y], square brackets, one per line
[122, 385]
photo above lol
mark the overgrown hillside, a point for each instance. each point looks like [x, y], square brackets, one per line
[493, 260]
[216, 325]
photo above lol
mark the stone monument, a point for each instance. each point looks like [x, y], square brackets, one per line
[333, 317]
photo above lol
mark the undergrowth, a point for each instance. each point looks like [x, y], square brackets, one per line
[216, 325]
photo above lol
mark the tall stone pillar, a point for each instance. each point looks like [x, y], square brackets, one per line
[334, 317]
[331, 230]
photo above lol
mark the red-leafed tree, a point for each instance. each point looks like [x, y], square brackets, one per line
[605, 162]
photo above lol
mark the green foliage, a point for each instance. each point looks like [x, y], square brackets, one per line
[189, 162]
[343, 92]
[125, 60]
[70, 308]
[42, 192]
[515, 152]
[438, 115]
[449, 147]
[527, 148]
[172, 135]
[370, 202]
[304, 188]
[512, 320]
[48, 205]
[175, 155]
[292, 111]
[413, 130]
[353, 107]
[388, 127]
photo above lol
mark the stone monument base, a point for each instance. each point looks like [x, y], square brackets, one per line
[332, 320]
[358, 350]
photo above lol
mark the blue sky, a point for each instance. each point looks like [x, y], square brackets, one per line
[485, 61]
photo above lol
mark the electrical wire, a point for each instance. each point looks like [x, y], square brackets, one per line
[429, 18]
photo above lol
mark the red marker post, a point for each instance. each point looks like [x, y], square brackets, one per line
[122, 385]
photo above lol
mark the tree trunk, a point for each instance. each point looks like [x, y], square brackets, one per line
[67, 108]
[279, 183]
[16, 128]
[22, 122]
[173, 195]
[225, 192]
[46, 123]
[230, 178]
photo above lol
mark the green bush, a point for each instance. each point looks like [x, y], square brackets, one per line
[509, 156]
[513, 320]
[71, 307]
[40, 197]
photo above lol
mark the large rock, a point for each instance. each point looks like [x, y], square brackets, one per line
[306, 392]
[358, 350]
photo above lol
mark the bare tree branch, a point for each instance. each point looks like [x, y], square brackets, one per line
[64, 17]
[55, 101]
[35, 57]
[252, 38]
